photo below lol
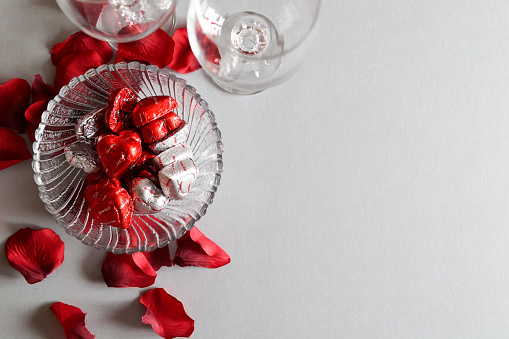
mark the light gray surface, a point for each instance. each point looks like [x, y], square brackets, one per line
[366, 198]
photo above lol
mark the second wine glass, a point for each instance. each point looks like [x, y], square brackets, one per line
[247, 46]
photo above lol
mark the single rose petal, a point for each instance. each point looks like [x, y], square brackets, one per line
[184, 60]
[166, 314]
[74, 65]
[195, 249]
[72, 320]
[13, 148]
[159, 257]
[42, 90]
[156, 49]
[14, 100]
[81, 42]
[34, 253]
[33, 115]
[126, 270]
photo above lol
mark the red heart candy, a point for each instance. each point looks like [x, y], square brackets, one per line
[118, 113]
[98, 185]
[152, 108]
[109, 203]
[113, 207]
[159, 128]
[119, 153]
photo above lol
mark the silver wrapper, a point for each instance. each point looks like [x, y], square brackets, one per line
[90, 126]
[177, 177]
[147, 198]
[82, 156]
[177, 137]
[172, 154]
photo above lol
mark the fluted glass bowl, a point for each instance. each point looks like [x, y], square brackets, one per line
[62, 186]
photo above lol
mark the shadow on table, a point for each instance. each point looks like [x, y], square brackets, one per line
[52, 4]
[91, 266]
[45, 322]
[131, 319]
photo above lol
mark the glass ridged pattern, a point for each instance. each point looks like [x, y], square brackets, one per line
[61, 186]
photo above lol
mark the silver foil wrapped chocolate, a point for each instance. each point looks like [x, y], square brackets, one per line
[177, 177]
[176, 137]
[82, 156]
[90, 126]
[175, 153]
[147, 198]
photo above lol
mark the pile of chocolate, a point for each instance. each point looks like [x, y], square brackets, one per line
[135, 155]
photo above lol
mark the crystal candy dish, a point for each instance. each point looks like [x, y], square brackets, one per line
[62, 186]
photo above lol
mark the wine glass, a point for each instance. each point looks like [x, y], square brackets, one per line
[118, 21]
[247, 46]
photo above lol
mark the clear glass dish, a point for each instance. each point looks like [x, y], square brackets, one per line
[61, 186]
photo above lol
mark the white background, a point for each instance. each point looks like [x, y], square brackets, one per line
[365, 198]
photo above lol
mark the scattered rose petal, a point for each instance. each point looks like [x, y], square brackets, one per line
[126, 270]
[195, 249]
[42, 90]
[159, 257]
[75, 65]
[33, 115]
[81, 42]
[166, 314]
[184, 60]
[13, 148]
[14, 100]
[72, 320]
[34, 253]
[156, 49]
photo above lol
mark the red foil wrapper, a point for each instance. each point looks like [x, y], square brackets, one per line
[178, 136]
[159, 128]
[152, 108]
[118, 113]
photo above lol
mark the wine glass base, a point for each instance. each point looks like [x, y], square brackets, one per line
[232, 90]
[168, 27]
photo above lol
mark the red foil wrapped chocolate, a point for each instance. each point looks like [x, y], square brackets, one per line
[152, 108]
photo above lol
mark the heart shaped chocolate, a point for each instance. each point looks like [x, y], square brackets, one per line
[119, 153]
[113, 207]
[147, 197]
[109, 202]
[118, 113]
[152, 108]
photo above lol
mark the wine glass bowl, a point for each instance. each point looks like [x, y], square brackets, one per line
[247, 46]
[118, 21]
[62, 186]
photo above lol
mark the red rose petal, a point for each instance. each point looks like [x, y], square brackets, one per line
[75, 65]
[13, 148]
[159, 257]
[33, 115]
[81, 42]
[156, 49]
[34, 253]
[42, 90]
[195, 249]
[125, 270]
[184, 60]
[166, 314]
[72, 320]
[14, 100]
